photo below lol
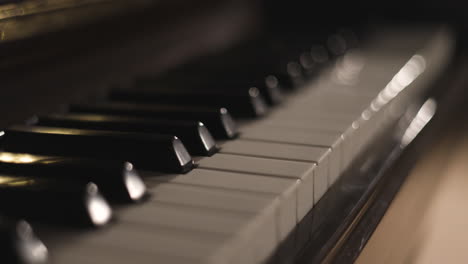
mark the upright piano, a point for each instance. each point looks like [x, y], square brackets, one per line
[214, 131]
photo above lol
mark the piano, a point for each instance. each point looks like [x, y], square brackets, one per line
[213, 131]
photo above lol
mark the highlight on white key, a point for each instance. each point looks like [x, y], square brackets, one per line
[422, 118]
[348, 68]
[407, 74]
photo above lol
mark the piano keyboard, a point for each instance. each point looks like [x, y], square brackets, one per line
[223, 190]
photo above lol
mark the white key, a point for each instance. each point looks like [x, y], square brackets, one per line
[258, 230]
[285, 189]
[318, 123]
[271, 167]
[156, 243]
[88, 253]
[264, 206]
[317, 155]
[292, 136]
[302, 137]
[223, 199]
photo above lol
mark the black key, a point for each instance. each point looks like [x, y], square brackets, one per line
[195, 135]
[241, 103]
[218, 120]
[319, 54]
[231, 79]
[337, 45]
[296, 73]
[145, 151]
[53, 201]
[271, 87]
[313, 61]
[117, 180]
[285, 81]
[19, 244]
[267, 84]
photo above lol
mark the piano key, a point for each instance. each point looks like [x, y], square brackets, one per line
[315, 123]
[272, 89]
[274, 150]
[281, 134]
[317, 110]
[317, 155]
[180, 216]
[296, 73]
[256, 229]
[19, 243]
[277, 134]
[87, 252]
[267, 84]
[218, 120]
[195, 135]
[117, 180]
[325, 126]
[350, 37]
[308, 64]
[283, 188]
[263, 206]
[231, 200]
[146, 151]
[336, 44]
[319, 54]
[65, 202]
[157, 244]
[241, 103]
[259, 203]
[230, 78]
[270, 167]
[310, 131]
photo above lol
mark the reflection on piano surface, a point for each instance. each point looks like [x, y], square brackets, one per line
[213, 132]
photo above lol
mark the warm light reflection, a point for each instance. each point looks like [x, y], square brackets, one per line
[90, 117]
[18, 158]
[424, 115]
[15, 181]
[50, 130]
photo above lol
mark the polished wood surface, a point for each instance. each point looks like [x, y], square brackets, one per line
[426, 223]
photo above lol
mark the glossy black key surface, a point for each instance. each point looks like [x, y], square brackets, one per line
[54, 201]
[241, 103]
[145, 151]
[195, 135]
[117, 180]
[314, 60]
[267, 84]
[19, 244]
[218, 120]
[232, 79]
